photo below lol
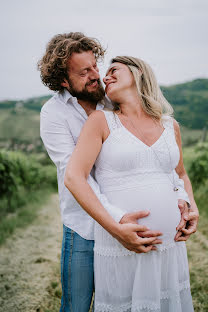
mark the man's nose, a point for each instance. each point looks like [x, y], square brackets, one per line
[95, 74]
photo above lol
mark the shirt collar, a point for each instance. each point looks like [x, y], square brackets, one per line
[65, 96]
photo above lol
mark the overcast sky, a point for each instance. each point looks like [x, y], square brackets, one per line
[172, 36]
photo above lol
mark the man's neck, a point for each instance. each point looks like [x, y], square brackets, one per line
[89, 107]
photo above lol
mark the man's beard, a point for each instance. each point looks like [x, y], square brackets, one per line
[85, 95]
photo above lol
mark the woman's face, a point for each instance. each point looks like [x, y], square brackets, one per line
[118, 79]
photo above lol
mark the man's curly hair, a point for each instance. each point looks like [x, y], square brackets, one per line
[53, 65]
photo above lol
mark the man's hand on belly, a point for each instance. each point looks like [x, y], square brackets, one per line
[183, 207]
[188, 223]
[191, 226]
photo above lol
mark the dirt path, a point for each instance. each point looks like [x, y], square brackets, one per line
[27, 261]
[29, 265]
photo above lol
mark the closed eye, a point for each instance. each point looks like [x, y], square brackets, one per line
[83, 73]
[111, 71]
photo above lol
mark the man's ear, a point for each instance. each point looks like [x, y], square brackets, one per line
[65, 84]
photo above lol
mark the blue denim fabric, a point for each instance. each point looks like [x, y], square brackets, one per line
[77, 275]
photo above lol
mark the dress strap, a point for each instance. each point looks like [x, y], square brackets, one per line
[167, 122]
[111, 120]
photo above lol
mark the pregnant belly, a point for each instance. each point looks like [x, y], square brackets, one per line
[159, 199]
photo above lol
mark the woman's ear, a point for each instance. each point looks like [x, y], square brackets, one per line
[140, 72]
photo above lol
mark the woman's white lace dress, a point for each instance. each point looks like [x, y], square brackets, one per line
[136, 177]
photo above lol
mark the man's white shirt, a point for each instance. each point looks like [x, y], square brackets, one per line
[61, 121]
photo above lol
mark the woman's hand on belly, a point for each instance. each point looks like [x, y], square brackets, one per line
[127, 235]
[134, 217]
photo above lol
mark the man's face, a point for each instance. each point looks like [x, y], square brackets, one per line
[83, 77]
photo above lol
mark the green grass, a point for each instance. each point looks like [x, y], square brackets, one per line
[21, 176]
[24, 214]
[200, 192]
[53, 300]
[200, 195]
[197, 244]
[188, 154]
[190, 136]
[23, 124]
[197, 247]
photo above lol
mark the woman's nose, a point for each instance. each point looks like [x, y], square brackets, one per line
[105, 79]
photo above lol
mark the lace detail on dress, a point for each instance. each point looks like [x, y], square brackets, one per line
[164, 247]
[141, 306]
[145, 305]
[142, 180]
[167, 122]
[118, 252]
[111, 120]
[168, 294]
[102, 307]
[112, 252]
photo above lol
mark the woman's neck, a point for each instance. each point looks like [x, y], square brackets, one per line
[131, 106]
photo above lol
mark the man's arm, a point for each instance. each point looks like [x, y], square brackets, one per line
[59, 143]
[181, 193]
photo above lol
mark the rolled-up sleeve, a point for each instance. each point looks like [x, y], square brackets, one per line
[181, 193]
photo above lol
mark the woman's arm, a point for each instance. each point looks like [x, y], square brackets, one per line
[180, 169]
[78, 169]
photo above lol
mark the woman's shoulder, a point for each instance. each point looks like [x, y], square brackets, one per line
[171, 123]
[166, 117]
[103, 119]
[95, 117]
[98, 119]
[101, 115]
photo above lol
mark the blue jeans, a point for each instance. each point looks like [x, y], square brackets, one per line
[77, 274]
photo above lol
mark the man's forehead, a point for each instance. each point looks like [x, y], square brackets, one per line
[81, 59]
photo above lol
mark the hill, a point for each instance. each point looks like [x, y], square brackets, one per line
[19, 124]
[33, 104]
[19, 120]
[190, 102]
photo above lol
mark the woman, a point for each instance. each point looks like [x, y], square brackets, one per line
[135, 149]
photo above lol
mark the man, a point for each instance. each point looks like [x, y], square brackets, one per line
[69, 67]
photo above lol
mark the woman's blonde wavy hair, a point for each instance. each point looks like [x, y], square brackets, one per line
[153, 101]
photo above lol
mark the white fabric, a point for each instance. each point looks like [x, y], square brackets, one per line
[135, 177]
[61, 121]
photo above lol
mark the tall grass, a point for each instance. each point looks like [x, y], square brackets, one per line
[24, 184]
[196, 162]
[24, 214]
